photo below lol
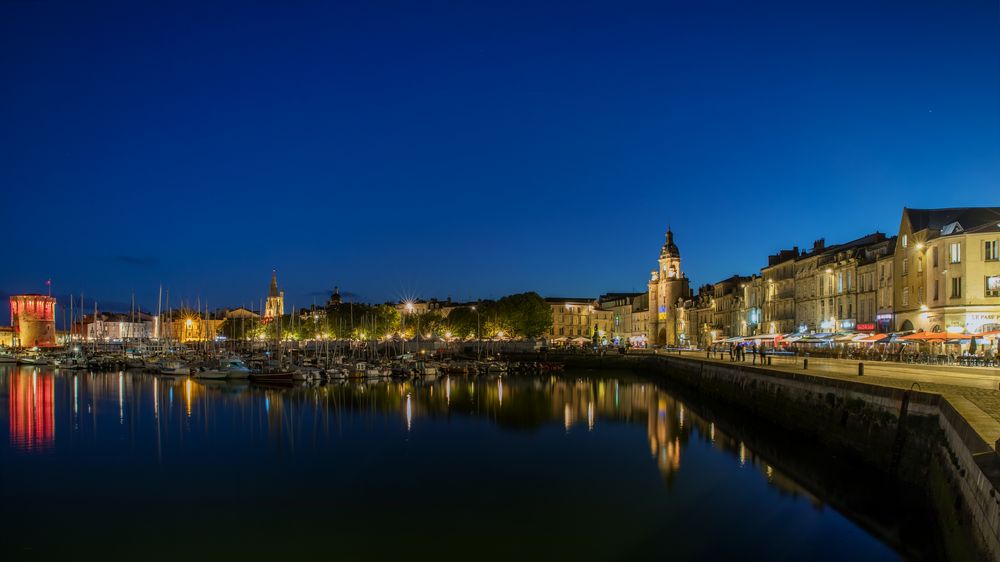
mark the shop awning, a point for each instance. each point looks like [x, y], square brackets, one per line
[928, 336]
[874, 338]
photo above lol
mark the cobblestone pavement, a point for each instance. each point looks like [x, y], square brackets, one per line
[974, 391]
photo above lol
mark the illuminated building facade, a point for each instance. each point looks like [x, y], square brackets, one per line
[947, 270]
[192, 327]
[667, 287]
[113, 327]
[33, 319]
[579, 319]
[275, 305]
[778, 284]
[629, 317]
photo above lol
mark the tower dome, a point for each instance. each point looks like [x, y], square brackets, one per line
[669, 248]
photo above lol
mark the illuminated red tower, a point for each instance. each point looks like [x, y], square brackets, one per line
[34, 320]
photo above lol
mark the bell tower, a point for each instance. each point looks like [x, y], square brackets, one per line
[666, 286]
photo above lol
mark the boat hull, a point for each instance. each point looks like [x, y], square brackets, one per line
[271, 377]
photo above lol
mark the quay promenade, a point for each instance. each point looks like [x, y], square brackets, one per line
[973, 391]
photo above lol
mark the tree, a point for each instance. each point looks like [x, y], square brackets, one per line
[461, 322]
[526, 314]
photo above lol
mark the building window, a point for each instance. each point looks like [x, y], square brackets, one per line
[955, 252]
[990, 250]
[934, 256]
[920, 265]
[993, 286]
[956, 287]
[906, 296]
[936, 297]
[904, 240]
[906, 264]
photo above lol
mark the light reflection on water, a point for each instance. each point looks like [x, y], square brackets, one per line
[396, 439]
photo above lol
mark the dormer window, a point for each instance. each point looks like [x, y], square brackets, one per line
[952, 228]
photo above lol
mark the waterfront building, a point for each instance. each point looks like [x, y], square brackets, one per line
[874, 309]
[6, 336]
[754, 300]
[275, 305]
[695, 318]
[33, 320]
[826, 291]
[885, 318]
[668, 287]
[627, 318]
[947, 270]
[187, 325]
[441, 307]
[576, 318]
[778, 280]
[237, 313]
[727, 306]
[115, 327]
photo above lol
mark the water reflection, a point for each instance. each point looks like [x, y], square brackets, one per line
[559, 454]
[31, 411]
[307, 413]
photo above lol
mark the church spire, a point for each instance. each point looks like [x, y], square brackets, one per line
[274, 284]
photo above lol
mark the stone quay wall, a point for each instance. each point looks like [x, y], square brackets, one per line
[931, 446]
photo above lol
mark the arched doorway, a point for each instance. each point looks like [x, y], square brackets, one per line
[907, 326]
[661, 337]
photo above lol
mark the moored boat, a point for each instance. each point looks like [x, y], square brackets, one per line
[282, 377]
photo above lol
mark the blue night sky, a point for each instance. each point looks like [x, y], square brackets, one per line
[474, 149]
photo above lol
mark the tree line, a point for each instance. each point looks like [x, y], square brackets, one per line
[523, 315]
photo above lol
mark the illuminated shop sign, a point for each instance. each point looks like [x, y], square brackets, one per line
[865, 327]
[847, 324]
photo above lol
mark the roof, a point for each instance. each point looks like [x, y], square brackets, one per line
[866, 240]
[670, 249]
[567, 299]
[615, 296]
[968, 217]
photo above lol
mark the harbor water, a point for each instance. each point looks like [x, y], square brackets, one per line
[577, 466]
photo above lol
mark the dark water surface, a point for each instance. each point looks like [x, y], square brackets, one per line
[576, 467]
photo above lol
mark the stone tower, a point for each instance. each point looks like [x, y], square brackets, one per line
[667, 285]
[275, 305]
